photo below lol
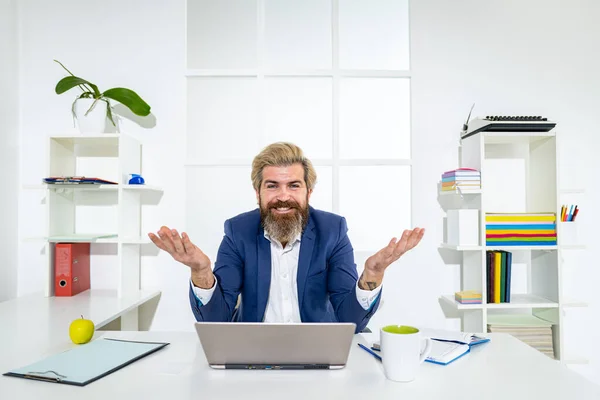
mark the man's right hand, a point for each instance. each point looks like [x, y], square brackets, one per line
[187, 253]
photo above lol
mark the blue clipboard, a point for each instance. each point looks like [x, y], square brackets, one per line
[87, 363]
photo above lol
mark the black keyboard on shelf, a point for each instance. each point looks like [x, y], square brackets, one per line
[500, 123]
[513, 118]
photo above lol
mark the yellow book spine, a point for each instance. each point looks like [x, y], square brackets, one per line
[519, 218]
[497, 276]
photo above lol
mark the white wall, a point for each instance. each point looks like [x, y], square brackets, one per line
[9, 139]
[508, 57]
[512, 57]
[134, 44]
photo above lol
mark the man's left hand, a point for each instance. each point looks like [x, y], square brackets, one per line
[379, 261]
[376, 264]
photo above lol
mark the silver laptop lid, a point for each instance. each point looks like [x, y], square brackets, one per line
[241, 345]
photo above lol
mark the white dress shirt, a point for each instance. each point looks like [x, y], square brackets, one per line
[282, 305]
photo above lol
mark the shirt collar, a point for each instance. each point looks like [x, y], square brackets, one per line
[298, 238]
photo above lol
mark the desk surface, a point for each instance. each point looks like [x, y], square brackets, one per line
[502, 369]
[48, 318]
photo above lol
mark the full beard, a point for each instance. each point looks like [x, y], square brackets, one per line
[284, 227]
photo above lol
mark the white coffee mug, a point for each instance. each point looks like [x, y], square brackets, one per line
[401, 351]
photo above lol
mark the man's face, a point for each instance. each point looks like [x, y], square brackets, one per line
[283, 199]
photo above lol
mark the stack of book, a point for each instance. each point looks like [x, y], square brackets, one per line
[520, 229]
[464, 179]
[468, 297]
[529, 329]
[498, 276]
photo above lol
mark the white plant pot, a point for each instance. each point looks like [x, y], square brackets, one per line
[95, 121]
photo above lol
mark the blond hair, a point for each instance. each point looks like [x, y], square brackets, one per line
[282, 154]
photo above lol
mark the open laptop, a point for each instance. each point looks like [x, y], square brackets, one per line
[233, 345]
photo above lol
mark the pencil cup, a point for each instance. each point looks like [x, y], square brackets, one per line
[403, 350]
[569, 233]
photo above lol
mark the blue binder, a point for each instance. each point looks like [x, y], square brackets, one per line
[87, 363]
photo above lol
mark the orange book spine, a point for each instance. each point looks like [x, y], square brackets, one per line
[62, 269]
[71, 268]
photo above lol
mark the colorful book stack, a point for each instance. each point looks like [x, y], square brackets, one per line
[520, 229]
[468, 297]
[498, 272]
[464, 179]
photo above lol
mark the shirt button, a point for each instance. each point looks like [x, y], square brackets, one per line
[284, 276]
[285, 298]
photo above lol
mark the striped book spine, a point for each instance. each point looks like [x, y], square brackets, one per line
[520, 229]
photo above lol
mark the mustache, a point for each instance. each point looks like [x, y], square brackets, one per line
[284, 204]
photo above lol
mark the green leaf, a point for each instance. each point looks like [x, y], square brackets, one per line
[130, 99]
[109, 111]
[70, 82]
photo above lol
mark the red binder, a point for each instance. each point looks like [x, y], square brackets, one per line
[71, 268]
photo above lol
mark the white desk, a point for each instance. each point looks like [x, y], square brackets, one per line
[48, 318]
[502, 369]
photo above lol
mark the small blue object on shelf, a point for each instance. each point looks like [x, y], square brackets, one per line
[136, 179]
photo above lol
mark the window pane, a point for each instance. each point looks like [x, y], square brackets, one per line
[374, 34]
[299, 110]
[222, 119]
[322, 197]
[206, 212]
[375, 118]
[236, 196]
[221, 34]
[298, 34]
[376, 204]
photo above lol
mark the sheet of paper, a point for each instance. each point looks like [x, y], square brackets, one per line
[445, 352]
[463, 337]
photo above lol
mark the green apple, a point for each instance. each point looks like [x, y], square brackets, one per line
[81, 330]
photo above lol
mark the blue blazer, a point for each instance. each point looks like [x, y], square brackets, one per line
[326, 278]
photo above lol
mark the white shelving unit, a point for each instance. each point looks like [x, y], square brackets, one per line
[108, 214]
[535, 188]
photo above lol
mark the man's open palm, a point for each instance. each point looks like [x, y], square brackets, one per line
[379, 261]
[180, 248]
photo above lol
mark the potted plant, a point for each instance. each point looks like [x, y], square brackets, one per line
[92, 107]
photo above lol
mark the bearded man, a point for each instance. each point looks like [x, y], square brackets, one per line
[290, 262]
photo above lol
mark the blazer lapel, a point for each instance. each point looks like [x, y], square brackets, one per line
[263, 275]
[307, 245]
